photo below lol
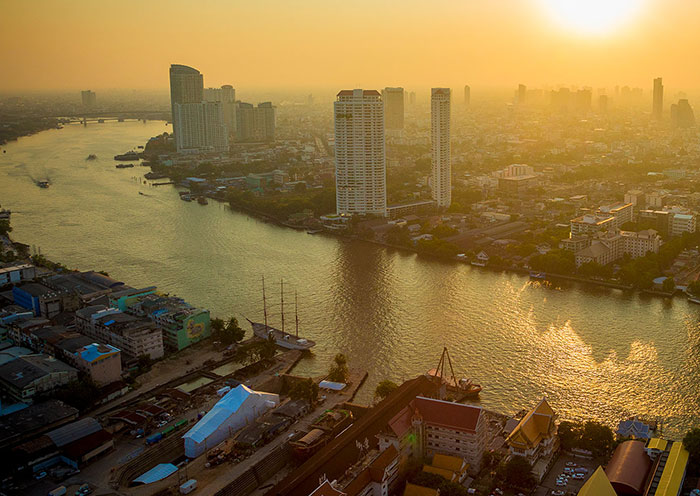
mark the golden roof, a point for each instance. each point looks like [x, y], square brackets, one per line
[451, 463]
[443, 472]
[597, 485]
[536, 425]
[657, 443]
[414, 490]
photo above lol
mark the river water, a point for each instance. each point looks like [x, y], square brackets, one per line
[593, 352]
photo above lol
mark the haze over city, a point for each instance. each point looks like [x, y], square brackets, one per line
[273, 44]
[359, 248]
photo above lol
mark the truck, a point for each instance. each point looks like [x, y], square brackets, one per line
[188, 486]
[59, 491]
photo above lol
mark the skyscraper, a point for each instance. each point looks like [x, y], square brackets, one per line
[522, 93]
[360, 153]
[682, 114]
[658, 103]
[227, 96]
[255, 123]
[198, 125]
[440, 146]
[89, 99]
[467, 95]
[393, 108]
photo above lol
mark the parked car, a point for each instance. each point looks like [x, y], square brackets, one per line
[40, 475]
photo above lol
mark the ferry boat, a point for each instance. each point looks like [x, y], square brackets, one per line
[464, 387]
[281, 337]
[322, 431]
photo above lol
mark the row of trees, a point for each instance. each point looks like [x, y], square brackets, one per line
[227, 332]
[591, 435]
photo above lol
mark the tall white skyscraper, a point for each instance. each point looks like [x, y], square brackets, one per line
[227, 96]
[440, 146]
[360, 154]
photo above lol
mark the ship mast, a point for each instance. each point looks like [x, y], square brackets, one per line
[282, 301]
[296, 312]
[264, 302]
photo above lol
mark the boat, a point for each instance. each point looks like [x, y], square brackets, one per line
[141, 193]
[465, 388]
[186, 197]
[280, 337]
[92, 156]
[538, 275]
[322, 431]
[314, 231]
[130, 155]
[692, 299]
[43, 184]
[202, 200]
[123, 166]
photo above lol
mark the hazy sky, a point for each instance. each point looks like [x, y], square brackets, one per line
[74, 44]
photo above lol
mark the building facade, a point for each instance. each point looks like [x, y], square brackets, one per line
[393, 108]
[440, 146]
[360, 153]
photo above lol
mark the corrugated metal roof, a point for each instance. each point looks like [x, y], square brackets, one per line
[159, 472]
[74, 431]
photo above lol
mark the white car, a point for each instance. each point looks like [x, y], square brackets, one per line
[562, 483]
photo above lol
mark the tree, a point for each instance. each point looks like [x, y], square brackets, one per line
[694, 288]
[305, 389]
[597, 438]
[217, 325]
[517, 473]
[669, 285]
[691, 442]
[569, 434]
[384, 389]
[5, 227]
[255, 351]
[339, 369]
[80, 394]
[227, 332]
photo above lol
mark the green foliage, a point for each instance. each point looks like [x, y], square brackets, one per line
[594, 269]
[443, 231]
[228, 333]
[306, 389]
[384, 389]
[691, 441]
[398, 236]
[435, 481]
[282, 205]
[339, 369]
[516, 473]
[81, 394]
[669, 285]
[255, 351]
[591, 435]
[694, 288]
[569, 434]
[5, 227]
[438, 247]
[555, 262]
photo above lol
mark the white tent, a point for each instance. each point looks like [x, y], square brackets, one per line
[236, 409]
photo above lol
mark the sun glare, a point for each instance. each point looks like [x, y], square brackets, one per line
[593, 17]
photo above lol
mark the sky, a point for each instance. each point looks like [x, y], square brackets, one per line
[80, 44]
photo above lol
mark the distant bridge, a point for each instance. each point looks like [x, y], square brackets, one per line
[119, 116]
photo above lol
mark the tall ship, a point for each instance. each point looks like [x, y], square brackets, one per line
[322, 431]
[281, 337]
[463, 387]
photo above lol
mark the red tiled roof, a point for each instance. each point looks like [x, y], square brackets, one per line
[326, 489]
[447, 414]
[77, 449]
[358, 483]
[379, 465]
[401, 422]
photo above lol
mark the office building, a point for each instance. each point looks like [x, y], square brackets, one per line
[393, 108]
[682, 114]
[360, 153]
[440, 146]
[89, 99]
[467, 95]
[658, 103]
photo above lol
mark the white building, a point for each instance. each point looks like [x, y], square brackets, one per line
[227, 96]
[682, 223]
[610, 246]
[360, 153]
[200, 127]
[440, 146]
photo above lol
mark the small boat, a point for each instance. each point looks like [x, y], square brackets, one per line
[465, 388]
[92, 156]
[141, 193]
[130, 155]
[693, 299]
[280, 337]
[124, 166]
[186, 197]
[43, 184]
[314, 231]
[538, 275]
[202, 200]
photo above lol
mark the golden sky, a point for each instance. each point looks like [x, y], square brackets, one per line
[74, 44]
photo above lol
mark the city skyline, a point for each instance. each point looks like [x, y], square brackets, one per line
[533, 42]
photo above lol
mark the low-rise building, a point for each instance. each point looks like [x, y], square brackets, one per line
[101, 362]
[16, 273]
[535, 438]
[39, 298]
[29, 375]
[590, 224]
[607, 247]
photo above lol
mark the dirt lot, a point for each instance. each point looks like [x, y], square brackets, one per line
[549, 483]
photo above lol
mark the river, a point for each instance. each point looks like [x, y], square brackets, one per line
[593, 352]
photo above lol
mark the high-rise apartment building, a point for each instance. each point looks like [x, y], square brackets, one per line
[255, 123]
[522, 93]
[658, 103]
[393, 108]
[89, 99]
[440, 146]
[467, 95]
[198, 125]
[227, 96]
[360, 152]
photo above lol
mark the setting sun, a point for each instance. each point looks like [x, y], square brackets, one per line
[593, 16]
